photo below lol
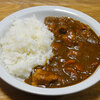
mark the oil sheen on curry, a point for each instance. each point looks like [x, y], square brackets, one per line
[76, 50]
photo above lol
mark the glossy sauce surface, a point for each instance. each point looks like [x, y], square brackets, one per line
[76, 50]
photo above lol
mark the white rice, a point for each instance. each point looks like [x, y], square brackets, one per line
[26, 44]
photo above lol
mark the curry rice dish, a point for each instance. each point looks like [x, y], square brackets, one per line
[57, 53]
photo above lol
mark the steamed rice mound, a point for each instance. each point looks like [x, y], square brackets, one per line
[26, 44]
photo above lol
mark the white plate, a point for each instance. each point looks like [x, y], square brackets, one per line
[41, 12]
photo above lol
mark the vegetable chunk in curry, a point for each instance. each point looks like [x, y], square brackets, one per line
[76, 50]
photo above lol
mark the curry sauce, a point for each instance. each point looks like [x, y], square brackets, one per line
[76, 50]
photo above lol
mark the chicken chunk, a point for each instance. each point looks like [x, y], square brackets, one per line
[41, 77]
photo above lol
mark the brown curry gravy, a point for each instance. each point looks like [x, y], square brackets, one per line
[76, 50]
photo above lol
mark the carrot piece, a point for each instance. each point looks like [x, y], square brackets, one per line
[71, 70]
[70, 61]
[78, 67]
[95, 63]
